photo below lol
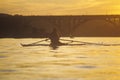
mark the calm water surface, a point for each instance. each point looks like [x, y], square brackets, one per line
[83, 62]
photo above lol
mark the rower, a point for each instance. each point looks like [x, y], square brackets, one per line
[54, 37]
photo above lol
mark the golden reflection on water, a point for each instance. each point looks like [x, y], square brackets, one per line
[85, 62]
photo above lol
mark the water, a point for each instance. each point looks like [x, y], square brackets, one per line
[83, 62]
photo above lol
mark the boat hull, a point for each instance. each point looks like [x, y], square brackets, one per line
[27, 45]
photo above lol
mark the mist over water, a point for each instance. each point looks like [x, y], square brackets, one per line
[80, 62]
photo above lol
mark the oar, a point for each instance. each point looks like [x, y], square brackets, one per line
[73, 40]
[92, 43]
[39, 41]
[81, 42]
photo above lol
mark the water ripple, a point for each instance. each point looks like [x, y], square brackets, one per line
[87, 67]
[3, 56]
[3, 52]
[7, 70]
[81, 57]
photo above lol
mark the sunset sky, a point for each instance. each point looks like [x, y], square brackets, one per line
[60, 7]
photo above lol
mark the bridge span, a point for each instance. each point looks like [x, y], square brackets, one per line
[69, 24]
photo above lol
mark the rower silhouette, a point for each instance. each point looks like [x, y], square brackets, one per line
[54, 37]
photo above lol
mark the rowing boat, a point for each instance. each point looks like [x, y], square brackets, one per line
[68, 44]
[27, 45]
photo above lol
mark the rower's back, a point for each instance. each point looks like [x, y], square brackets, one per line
[54, 37]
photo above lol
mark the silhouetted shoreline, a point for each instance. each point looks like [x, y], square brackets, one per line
[18, 26]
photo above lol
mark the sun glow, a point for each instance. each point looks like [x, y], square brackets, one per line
[62, 7]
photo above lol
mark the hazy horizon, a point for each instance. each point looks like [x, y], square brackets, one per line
[62, 7]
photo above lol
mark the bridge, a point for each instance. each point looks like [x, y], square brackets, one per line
[68, 25]
[73, 22]
[72, 25]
